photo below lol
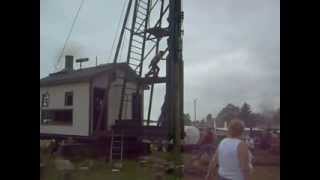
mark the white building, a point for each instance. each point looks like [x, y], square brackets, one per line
[70, 99]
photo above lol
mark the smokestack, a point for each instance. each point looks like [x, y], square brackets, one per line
[69, 63]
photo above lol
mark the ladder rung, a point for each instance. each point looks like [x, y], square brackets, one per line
[136, 53]
[117, 135]
[136, 59]
[143, 2]
[138, 32]
[116, 144]
[115, 148]
[141, 12]
[136, 29]
[143, 7]
[152, 40]
[133, 64]
[136, 47]
[139, 23]
[140, 18]
[137, 41]
[128, 29]
[136, 68]
[116, 152]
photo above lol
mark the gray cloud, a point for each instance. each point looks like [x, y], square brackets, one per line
[231, 48]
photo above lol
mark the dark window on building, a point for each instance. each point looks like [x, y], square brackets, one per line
[68, 99]
[45, 100]
[56, 117]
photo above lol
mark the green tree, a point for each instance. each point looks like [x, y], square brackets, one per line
[202, 121]
[187, 119]
[227, 114]
[246, 115]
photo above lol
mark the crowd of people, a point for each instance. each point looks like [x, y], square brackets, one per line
[232, 157]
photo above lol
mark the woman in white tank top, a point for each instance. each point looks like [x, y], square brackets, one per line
[232, 155]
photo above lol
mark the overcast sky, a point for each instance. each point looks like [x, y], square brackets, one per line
[231, 48]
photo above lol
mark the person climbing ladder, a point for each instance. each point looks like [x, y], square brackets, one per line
[154, 68]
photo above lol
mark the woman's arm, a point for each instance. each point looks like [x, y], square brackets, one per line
[243, 153]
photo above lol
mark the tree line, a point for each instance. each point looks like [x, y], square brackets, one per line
[251, 119]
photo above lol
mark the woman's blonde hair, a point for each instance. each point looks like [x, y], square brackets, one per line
[235, 128]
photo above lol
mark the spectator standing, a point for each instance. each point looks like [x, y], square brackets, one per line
[232, 157]
[206, 143]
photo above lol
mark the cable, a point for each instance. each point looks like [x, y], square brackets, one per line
[118, 29]
[69, 34]
[122, 45]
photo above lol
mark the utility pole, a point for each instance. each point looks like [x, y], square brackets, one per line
[175, 84]
[195, 109]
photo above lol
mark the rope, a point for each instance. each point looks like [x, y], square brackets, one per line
[69, 34]
[118, 29]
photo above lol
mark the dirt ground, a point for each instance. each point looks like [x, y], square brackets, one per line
[260, 173]
[266, 167]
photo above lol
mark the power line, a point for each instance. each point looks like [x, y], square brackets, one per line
[69, 34]
[118, 29]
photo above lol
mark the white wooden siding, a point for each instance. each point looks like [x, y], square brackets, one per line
[80, 125]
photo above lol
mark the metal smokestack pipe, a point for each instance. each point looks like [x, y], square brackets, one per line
[69, 63]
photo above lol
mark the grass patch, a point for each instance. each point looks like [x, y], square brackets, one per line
[100, 170]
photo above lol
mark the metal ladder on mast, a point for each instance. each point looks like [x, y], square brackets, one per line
[137, 43]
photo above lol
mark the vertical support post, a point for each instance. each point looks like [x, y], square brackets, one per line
[176, 94]
[156, 52]
[181, 97]
[144, 36]
[150, 104]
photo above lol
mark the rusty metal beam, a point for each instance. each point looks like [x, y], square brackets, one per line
[152, 80]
